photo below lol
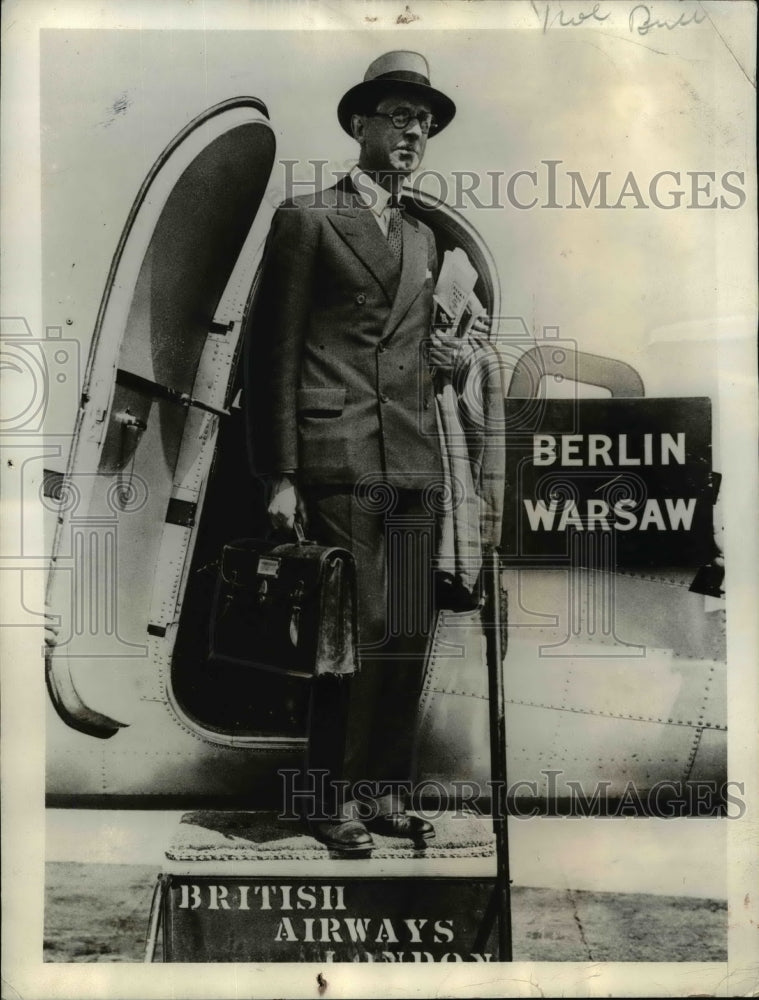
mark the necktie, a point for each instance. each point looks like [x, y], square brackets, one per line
[395, 233]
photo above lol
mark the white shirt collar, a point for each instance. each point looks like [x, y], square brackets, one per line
[373, 195]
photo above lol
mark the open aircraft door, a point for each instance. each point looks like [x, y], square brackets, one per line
[155, 389]
[224, 702]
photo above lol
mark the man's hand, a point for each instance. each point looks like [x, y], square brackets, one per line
[285, 504]
[443, 347]
[481, 325]
[445, 344]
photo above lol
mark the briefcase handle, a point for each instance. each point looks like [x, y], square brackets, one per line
[299, 532]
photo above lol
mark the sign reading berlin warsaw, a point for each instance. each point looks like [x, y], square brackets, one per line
[630, 475]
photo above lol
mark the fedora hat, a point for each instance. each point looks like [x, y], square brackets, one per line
[407, 69]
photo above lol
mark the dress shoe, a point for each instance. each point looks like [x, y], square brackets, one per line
[347, 836]
[402, 825]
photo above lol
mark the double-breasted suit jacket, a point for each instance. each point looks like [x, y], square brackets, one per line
[339, 392]
[337, 382]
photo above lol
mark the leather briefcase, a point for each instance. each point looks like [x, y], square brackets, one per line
[289, 608]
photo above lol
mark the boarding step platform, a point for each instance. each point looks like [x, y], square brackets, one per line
[248, 887]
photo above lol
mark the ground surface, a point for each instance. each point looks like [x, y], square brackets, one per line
[99, 912]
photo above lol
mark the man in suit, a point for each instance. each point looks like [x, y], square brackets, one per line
[342, 420]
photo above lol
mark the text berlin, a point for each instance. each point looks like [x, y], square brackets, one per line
[619, 452]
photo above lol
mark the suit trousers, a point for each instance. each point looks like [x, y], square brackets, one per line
[362, 728]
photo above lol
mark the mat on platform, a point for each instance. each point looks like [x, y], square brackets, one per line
[261, 836]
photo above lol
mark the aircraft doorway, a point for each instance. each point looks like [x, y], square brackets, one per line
[234, 700]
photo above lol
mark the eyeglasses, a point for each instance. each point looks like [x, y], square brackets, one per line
[400, 117]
